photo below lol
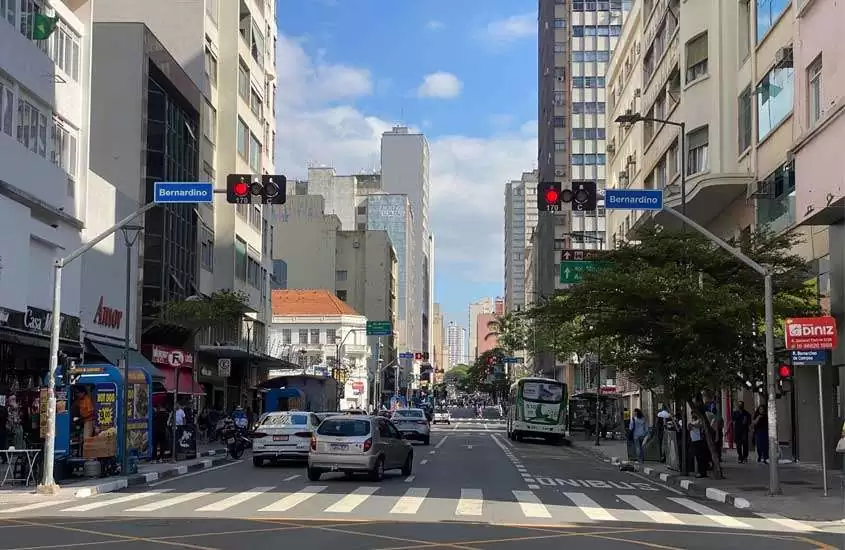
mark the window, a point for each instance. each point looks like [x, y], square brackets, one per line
[341, 294]
[210, 63]
[744, 34]
[744, 129]
[32, 127]
[286, 336]
[255, 104]
[208, 175]
[559, 98]
[243, 80]
[211, 9]
[209, 122]
[207, 248]
[560, 47]
[558, 122]
[256, 46]
[814, 91]
[315, 336]
[697, 146]
[254, 153]
[8, 11]
[774, 100]
[331, 336]
[559, 23]
[341, 275]
[768, 12]
[697, 58]
[303, 336]
[64, 153]
[560, 145]
[243, 138]
[240, 258]
[65, 50]
[7, 105]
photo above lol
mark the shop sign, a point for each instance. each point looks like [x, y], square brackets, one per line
[40, 322]
[106, 316]
[357, 388]
[171, 357]
[810, 333]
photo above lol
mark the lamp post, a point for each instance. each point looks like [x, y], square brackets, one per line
[130, 236]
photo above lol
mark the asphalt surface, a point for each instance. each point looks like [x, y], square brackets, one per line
[471, 489]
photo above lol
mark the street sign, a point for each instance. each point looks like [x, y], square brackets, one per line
[510, 360]
[810, 333]
[633, 199]
[379, 328]
[809, 357]
[169, 192]
[224, 367]
[570, 272]
[570, 254]
[408, 355]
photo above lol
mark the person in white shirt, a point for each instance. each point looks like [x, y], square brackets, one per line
[180, 415]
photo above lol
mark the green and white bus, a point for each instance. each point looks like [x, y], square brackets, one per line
[537, 408]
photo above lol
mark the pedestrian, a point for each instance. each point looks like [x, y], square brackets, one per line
[638, 432]
[159, 434]
[760, 426]
[699, 445]
[742, 431]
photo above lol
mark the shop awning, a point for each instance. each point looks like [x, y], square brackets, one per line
[290, 393]
[187, 385]
[114, 355]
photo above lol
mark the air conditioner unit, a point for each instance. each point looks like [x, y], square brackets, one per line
[622, 175]
[637, 92]
[356, 244]
[630, 160]
[610, 147]
[783, 57]
[559, 172]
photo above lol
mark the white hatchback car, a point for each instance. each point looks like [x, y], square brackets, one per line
[413, 424]
[283, 436]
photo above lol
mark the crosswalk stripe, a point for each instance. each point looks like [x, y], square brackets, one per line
[710, 513]
[112, 501]
[34, 506]
[531, 505]
[352, 500]
[411, 501]
[173, 501]
[589, 507]
[788, 523]
[294, 499]
[650, 509]
[471, 503]
[234, 500]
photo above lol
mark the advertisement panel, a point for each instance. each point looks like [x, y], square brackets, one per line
[810, 333]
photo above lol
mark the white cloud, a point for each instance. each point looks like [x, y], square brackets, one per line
[435, 25]
[440, 85]
[467, 174]
[511, 28]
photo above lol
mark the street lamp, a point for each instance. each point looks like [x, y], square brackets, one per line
[130, 236]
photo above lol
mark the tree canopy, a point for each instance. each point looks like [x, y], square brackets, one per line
[508, 330]
[224, 308]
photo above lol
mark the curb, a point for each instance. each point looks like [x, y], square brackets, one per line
[150, 477]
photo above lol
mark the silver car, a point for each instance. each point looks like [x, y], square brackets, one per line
[413, 424]
[358, 444]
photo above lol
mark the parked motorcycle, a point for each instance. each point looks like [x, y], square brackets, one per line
[236, 439]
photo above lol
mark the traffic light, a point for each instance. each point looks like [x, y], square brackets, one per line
[584, 196]
[549, 196]
[69, 369]
[270, 189]
[784, 378]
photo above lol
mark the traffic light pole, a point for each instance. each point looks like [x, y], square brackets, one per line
[48, 483]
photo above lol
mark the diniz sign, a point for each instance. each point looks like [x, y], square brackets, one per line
[810, 333]
[106, 316]
[172, 357]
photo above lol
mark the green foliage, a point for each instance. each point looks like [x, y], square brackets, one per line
[509, 331]
[224, 308]
[457, 375]
[483, 367]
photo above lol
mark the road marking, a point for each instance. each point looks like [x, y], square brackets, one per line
[409, 479]
[234, 500]
[469, 447]
[441, 442]
[180, 499]
[291, 478]
[410, 503]
[34, 506]
[431, 452]
[108, 502]
[294, 499]
[650, 510]
[352, 500]
[589, 507]
[531, 505]
[471, 503]
[533, 486]
[198, 473]
[423, 461]
[788, 523]
[710, 513]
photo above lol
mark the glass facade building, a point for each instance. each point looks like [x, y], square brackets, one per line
[391, 213]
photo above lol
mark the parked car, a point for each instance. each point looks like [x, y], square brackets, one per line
[442, 415]
[413, 424]
[284, 435]
[358, 444]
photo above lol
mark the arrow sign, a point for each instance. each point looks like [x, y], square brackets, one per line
[566, 255]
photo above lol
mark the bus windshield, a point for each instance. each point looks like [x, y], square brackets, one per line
[543, 392]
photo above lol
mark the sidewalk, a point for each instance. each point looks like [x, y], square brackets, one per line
[208, 456]
[745, 485]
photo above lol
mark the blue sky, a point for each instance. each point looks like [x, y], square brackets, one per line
[349, 69]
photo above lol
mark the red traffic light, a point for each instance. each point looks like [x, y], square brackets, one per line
[785, 371]
[552, 196]
[241, 189]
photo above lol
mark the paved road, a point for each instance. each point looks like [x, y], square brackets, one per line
[471, 489]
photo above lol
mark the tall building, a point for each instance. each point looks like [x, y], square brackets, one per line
[518, 204]
[479, 307]
[456, 338]
[438, 331]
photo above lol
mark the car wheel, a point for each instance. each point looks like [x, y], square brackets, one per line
[377, 473]
[314, 474]
[258, 462]
[427, 440]
[408, 467]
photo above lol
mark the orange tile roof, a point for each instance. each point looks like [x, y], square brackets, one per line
[309, 302]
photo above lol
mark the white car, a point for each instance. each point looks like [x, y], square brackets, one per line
[442, 415]
[283, 436]
[413, 424]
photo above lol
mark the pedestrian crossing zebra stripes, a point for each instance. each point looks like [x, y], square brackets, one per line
[412, 503]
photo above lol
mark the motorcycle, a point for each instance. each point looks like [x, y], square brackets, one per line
[236, 439]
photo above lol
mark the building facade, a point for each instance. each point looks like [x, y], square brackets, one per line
[520, 220]
[479, 307]
[438, 328]
[456, 344]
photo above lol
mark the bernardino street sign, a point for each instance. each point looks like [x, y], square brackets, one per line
[810, 333]
[633, 199]
[179, 192]
[809, 357]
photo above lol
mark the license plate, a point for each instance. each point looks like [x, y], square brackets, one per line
[339, 446]
[280, 438]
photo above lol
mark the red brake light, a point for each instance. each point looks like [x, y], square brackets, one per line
[302, 434]
[368, 444]
[313, 443]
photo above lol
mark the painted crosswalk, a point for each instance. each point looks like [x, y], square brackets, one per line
[414, 503]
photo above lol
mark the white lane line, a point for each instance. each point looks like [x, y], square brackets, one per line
[441, 442]
[352, 500]
[788, 523]
[531, 505]
[34, 506]
[291, 478]
[533, 486]
[423, 461]
[173, 501]
[197, 473]
[234, 500]
[650, 510]
[471, 503]
[412, 500]
[294, 499]
[589, 507]
[431, 452]
[109, 501]
[410, 478]
[710, 513]
[500, 444]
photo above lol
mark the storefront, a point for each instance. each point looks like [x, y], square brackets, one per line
[212, 374]
[177, 366]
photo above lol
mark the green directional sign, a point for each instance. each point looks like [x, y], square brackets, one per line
[570, 272]
[379, 328]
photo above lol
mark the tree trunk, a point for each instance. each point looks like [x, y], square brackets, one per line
[709, 438]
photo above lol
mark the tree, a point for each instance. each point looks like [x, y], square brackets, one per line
[223, 308]
[458, 375]
[483, 368]
[677, 311]
[509, 332]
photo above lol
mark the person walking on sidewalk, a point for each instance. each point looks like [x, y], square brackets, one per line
[638, 432]
[159, 434]
[742, 431]
[760, 425]
[699, 445]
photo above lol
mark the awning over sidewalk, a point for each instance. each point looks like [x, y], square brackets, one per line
[187, 385]
[114, 355]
